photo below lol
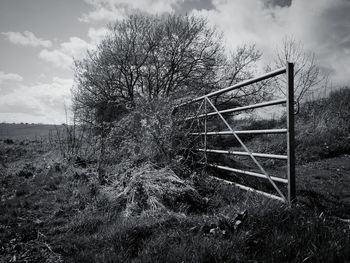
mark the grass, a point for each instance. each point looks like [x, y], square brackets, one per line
[60, 214]
[54, 209]
[322, 130]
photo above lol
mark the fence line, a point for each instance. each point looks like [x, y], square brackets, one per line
[289, 131]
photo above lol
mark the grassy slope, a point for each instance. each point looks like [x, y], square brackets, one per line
[55, 212]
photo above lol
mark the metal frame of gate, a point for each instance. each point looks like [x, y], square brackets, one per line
[289, 131]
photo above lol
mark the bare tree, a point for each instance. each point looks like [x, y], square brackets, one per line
[307, 74]
[152, 57]
[147, 57]
[238, 66]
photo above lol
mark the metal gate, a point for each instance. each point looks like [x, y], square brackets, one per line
[289, 131]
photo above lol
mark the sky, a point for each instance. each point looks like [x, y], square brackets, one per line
[40, 38]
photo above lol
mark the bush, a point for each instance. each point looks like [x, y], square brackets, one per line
[147, 190]
[149, 133]
[323, 127]
[322, 130]
[8, 141]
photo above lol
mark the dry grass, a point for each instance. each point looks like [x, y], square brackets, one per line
[150, 209]
[147, 190]
[61, 213]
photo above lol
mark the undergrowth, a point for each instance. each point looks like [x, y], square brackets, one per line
[322, 129]
[153, 207]
[62, 214]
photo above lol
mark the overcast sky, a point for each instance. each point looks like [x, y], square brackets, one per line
[39, 38]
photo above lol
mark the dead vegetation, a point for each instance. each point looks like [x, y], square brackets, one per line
[122, 186]
[154, 206]
[59, 212]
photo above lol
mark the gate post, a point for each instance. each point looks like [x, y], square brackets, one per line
[205, 132]
[290, 132]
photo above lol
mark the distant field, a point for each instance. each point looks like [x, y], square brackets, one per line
[26, 131]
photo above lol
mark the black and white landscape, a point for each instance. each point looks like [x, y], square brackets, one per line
[175, 131]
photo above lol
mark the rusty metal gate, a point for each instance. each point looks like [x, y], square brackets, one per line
[207, 103]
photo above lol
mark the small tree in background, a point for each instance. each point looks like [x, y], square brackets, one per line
[238, 66]
[307, 74]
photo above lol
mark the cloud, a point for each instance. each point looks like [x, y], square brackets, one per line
[59, 94]
[27, 38]
[111, 10]
[9, 77]
[101, 13]
[322, 26]
[184, 7]
[75, 47]
[57, 58]
[21, 108]
[39, 102]
[96, 35]
[63, 56]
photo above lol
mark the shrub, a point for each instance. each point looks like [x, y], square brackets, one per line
[149, 133]
[8, 141]
[323, 127]
[74, 142]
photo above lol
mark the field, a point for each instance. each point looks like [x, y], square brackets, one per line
[193, 131]
[26, 130]
[54, 210]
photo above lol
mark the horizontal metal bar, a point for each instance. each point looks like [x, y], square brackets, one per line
[270, 131]
[250, 189]
[262, 155]
[253, 106]
[277, 179]
[239, 85]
